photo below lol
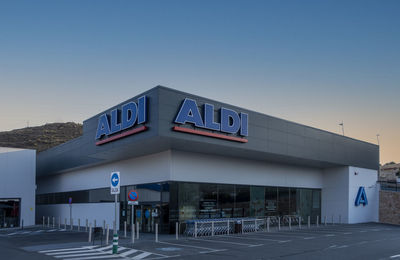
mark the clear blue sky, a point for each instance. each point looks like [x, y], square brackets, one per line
[313, 62]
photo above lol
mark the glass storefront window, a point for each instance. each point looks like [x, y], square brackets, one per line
[257, 201]
[283, 201]
[188, 200]
[271, 201]
[9, 213]
[208, 194]
[226, 200]
[242, 201]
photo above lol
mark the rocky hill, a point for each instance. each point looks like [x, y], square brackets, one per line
[42, 137]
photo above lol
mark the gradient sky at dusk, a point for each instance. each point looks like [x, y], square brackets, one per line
[312, 62]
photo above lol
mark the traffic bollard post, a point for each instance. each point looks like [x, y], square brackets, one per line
[156, 233]
[279, 223]
[212, 228]
[137, 230]
[54, 222]
[48, 221]
[299, 222]
[125, 229]
[317, 221]
[268, 224]
[107, 234]
[94, 225]
[309, 222]
[90, 233]
[176, 230]
[71, 223]
[242, 226]
[59, 222]
[86, 226]
[133, 233]
[290, 223]
[79, 224]
[195, 229]
[104, 227]
[227, 230]
[115, 244]
[43, 222]
[325, 220]
[65, 223]
[332, 219]
[340, 219]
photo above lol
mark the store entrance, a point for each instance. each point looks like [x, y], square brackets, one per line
[146, 215]
[9, 213]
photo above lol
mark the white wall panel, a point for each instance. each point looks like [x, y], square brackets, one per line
[197, 167]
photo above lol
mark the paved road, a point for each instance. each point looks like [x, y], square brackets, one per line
[361, 241]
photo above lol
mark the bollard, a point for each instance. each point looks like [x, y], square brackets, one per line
[279, 223]
[290, 223]
[54, 222]
[104, 226]
[59, 222]
[325, 220]
[212, 228]
[79, 224]
[255, 225]
[195, 229]
[317, 221]
[90, 233]
[71, 223]
[227, 230]
[340, 219]
[133, 233]
[137, 230]
[94, 223]
[299, 222]
[108, 234]
[268, 224]
[125, 229]
[309, 222]
[156, 233]
[332, 219]
[177, 230]
[65, 224]
[43, 222]
[86, 226]
[48, 222]
[22, 223]
[115, 244]
[242, 226]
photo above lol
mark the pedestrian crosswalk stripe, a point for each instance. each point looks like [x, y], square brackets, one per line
[142, 255]
[132, 251]
[81, 254]
[96, 257]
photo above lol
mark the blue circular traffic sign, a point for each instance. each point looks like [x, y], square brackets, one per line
[114, 179]
[133, 195]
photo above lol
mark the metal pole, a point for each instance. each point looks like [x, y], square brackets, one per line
[125, 228]
[227, 231]
[290, 223]
[242, 226]
[195, 229]
[54, 222]
[79, 224]
[115, 240]
[95, 225]
[176, 230]
[212, 228]
[48, 221]
[309, 222]
[86, 227]
[104, 227]
[133, 233]
[59, 222]
[132, 215]
[65, 223]
[108, 234]
[156, 233]
[43, 222]
[299, 222]
[70, 211]
[317, 221]
[22, 223]
[279, 223]
[90, 233]
[325, 220]
[137, 230]
[268, 224]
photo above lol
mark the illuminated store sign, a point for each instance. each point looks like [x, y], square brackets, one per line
[119, 120]
[230, 121]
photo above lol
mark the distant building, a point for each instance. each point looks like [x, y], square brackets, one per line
[389, 172]
[17, 187]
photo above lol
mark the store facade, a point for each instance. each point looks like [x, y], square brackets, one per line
[194, 158]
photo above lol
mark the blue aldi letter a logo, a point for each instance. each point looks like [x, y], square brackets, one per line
[361, 197]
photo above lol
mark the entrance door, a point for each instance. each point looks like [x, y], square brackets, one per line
[149, 217]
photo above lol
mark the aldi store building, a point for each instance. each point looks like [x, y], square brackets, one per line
[189, 157]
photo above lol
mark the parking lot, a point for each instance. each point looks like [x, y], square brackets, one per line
[359, 241]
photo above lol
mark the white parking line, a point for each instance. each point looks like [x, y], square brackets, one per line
[265, 239]
[97, 257]
[226, 242]
[199, 247]
[142, 255]
[66, 249]
[128, 252]
[76, 255]
[395, 256]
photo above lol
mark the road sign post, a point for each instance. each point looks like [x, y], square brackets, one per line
[115, 189]
[133, 198]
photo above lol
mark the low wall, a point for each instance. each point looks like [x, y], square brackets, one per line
[389, 207]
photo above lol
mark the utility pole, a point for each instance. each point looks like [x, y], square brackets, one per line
[341, 124]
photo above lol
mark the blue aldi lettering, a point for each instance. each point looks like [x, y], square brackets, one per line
[230, 121]
[123, 119]
[361, 197]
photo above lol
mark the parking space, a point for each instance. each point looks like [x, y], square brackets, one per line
[366, 241]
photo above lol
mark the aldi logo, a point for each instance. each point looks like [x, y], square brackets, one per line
[361, 197]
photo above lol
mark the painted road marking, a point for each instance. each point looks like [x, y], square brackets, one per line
[266, 239]
[132, 251]
[309, 238]
[142, 255]
[209, 250]
[226, 242]
[395, 256]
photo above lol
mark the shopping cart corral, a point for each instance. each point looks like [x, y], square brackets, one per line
[210, 227]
